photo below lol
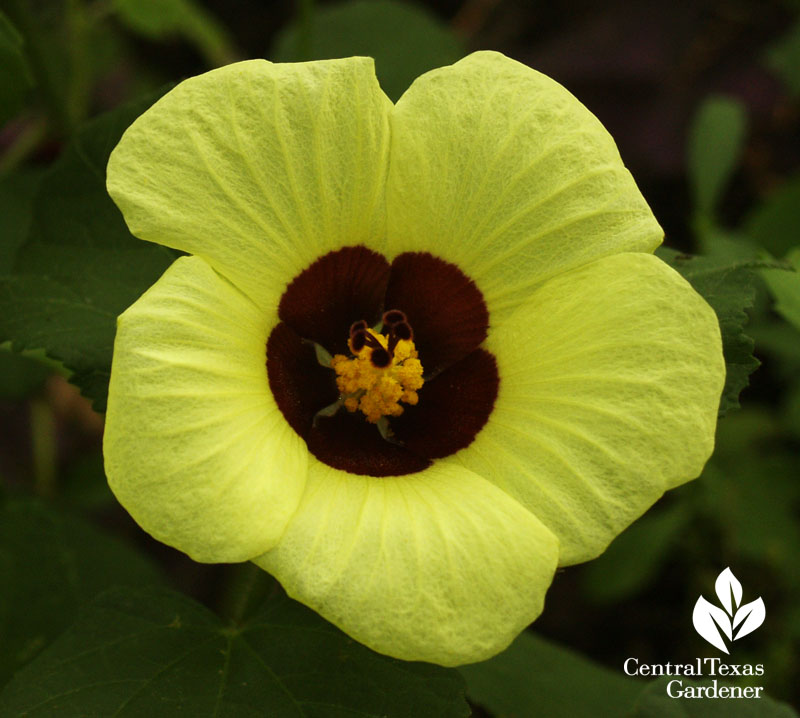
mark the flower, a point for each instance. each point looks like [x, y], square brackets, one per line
[486, 224]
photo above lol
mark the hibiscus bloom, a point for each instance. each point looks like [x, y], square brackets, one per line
[420, 354]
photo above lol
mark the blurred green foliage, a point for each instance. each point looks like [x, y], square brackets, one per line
[715, 145]
[79, 266]
[743, 511]
[784, 58]
[163, 19]
[785, 288]
[15, 79]
[528, 679]
[405, 40]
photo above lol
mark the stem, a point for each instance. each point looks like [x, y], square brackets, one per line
[43, 447]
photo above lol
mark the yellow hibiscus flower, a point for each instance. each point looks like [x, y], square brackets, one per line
[265, 403]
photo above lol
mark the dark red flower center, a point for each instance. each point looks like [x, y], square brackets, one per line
[339, 297]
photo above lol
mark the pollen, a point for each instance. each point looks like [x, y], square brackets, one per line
[383, 372]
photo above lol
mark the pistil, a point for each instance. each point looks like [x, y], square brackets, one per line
[383, 371]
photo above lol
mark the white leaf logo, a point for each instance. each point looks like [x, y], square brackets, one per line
[708, 620]
[750, 616]
[727, 587]
[715, 625]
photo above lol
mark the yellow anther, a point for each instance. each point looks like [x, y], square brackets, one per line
[374, 390]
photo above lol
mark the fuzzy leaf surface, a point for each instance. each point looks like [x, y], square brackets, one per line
[51, 563]
[80, 267]
[158, 653]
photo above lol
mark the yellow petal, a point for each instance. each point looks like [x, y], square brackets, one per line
[610, 379]
[500, 170]
[437, 566]
[195, 447]
[259, 168]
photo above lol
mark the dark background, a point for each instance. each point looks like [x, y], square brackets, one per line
[644, 68]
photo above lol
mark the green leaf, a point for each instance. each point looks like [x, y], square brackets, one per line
[404, 39]
[782, 342]
[784, 59]
[792, 411]
[535, 677]
[50, 565]
[716, 138]
[20, 375]
[635, 556]
[54, 42]
[84, 485]
[749, 490]
[159, 19]
[755, 502]
[80, 267]
[36, 312]
[774, 223]
[785, 288]
[156, 653]
[728, 286]
[17, 193]
[655, 703]
[722, 244]
[15, 79]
